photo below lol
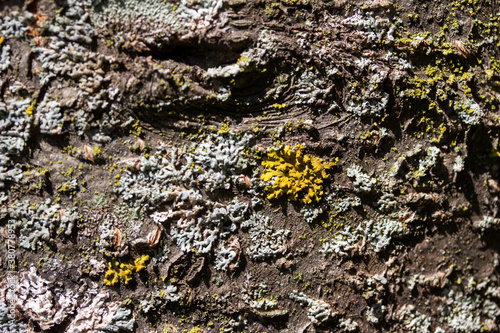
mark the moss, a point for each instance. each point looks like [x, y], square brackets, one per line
[298, 176]
[120, 271]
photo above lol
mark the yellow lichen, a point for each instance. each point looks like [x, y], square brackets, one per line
[120, 271]
[30, 109]
[298, 176]
[140, 263]
[224, 129]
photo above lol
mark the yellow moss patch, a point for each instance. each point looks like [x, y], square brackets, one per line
[120, 271]
[298, 176]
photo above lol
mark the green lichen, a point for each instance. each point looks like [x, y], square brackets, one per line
[121, 271]
[297, 175]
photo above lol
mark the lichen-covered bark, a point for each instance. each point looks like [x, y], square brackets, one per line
[140, 189]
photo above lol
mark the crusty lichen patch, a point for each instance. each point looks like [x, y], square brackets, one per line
[120, 271]
[297, 175]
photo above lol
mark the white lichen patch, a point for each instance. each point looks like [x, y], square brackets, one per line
[200, 233]
[344, 204]
[264, 304]
[159, 298]
[371, 102]
[469, 112]
[67, 54]
[341, 243]
[469, 313]
[362, 182]
[265, 241]
[375, 313]
[227, 254]
[50, 117]
[15, 24]
[458, 165]
[108, 232]
[310, 88]
[312, 212]
[38, 222]
[178, 180]
[216, 163]
[318, 311]
[373, 27]
[163, 17]
[5, 58]
[387, 203]
[50, 305]
[413, 320]
[487, 223]
[7, 324]
[47, 304]
[348, 325]
[248, 61]
[97, 314]
[378, 233]
[428, 162]
[15, 126]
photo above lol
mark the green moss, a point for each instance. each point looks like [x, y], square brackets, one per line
[298, 176]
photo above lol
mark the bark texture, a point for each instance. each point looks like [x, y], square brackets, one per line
[249, 166]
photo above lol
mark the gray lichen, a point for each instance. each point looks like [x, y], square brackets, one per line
[342, 205]
[216, 163]
[375, 313]
[413, 320]
[158, 298]
[47, 304]
[342, 242]
[380, 232]
[311, 213]
[37, 223]
[5, 58]
[227, 254]
[348, 324]
[119, 321]
[487, 223]
[428, 161]
[15, 24]
[50, 117]
[469, 313]
[265, 241]
[317, 310]
[7, 324]
[372, 102]
[363, 183]
[158, 16]
[469, 112]
[373, 27]
[15, 126]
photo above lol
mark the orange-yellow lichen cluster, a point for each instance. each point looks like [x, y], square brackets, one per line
[120, 271]
[297, 175]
